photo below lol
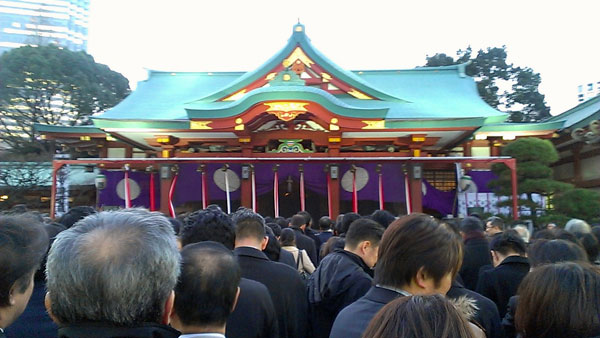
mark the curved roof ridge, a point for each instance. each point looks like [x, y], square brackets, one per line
[418, 68]
[299, 38]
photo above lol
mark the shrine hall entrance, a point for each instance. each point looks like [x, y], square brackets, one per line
[289, 201]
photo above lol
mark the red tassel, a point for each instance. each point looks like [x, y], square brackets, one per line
[171, 193]
[354, 194]
[329, 204]
[276, 193]
[127, 189]
[152, 193]
[380, 191]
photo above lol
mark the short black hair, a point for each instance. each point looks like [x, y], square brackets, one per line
[75, 214]
[288, 237]
[23, 244]
[325, 223]
[497, 222]
[347, 220]
[545, 251]
[507, 242]
[206, 290]
[383, 217]
[590, 245]
[364, 229]
[413, 242]
[208, 225]
[471, 223]
[298, 221]
[276, 228]
[307, 218]
[249, 225]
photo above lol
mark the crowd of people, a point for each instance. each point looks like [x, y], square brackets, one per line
[136, 273]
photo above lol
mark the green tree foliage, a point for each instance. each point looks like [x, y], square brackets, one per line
[578, 203]
[53, 86]
[520, 97]
[534, 175]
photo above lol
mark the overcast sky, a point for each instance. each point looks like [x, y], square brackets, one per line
[558, 39]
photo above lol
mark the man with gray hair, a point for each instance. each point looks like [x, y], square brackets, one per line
[580, 226]
[113, 275]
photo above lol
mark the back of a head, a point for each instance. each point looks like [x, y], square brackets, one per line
[75, 214]
[23, 244]
[208, 225]
[496, 221]
[508, 243]
[413, 242]
[578, 226]
[383, 217]
[207, 288]
[288, 237]
[419, 317]
[523, 232]
[364, 229]
[544, 251]
[347, 220]
[297, 221]
[470, 224]
[590, 245]
[117, 267]
[325, 223]
[275, 228]
[249, 225]
[307, 218]
[559, 300]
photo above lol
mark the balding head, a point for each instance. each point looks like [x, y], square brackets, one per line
[118, 267]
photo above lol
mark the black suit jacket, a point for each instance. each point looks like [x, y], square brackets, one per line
[285, 286]
[501, 282]
[354, 319]
[477, 254]
[487, 314]
[254, 315]
[304, 242]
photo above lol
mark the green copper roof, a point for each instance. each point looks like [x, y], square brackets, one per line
[41, 128]
[201, 109]
[580, 115]
[420, 94]
[299, 39]
[163, 94]
[516, 127]
[444, 92]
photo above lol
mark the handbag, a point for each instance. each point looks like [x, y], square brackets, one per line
[300, 265]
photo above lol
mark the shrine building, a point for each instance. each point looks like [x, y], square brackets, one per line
[297, 133]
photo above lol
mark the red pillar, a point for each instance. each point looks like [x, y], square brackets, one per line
[335, 197]
[512, 165]
[246, 191]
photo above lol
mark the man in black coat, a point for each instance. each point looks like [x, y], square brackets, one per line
[303, 242]
[477, 251]
[486, 314]
[510, 267]
[254, 315]
[417, 256]
[24, 244]
[283, 282]
[343, 276]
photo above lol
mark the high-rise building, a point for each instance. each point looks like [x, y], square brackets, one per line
[587, 91]
[42, 22]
